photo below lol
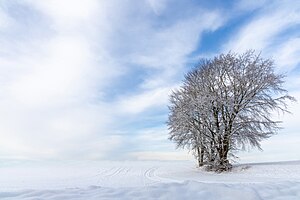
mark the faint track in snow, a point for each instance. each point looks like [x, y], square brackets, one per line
[114, 175]
[110, 172]
[150, 177]
[159, 175]
[107, 174]
[125, 175]
[115, 172]
[149, 173]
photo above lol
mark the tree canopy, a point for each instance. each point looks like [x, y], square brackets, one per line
[225, 104]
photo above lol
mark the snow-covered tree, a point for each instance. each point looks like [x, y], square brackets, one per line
[226, 104]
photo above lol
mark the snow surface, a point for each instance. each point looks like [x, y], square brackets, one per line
[146, 180]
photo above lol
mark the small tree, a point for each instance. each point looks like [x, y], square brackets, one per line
[224, 105]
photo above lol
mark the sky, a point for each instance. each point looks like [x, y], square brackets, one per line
[90, 80]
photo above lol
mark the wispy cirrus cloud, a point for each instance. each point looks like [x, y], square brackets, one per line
[163, 56]
[51, 78]
[272, 30]
[61, 62]
[90, 80]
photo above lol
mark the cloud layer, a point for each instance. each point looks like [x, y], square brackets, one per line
[91, 80]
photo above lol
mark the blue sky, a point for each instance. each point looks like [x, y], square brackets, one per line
[90, 79]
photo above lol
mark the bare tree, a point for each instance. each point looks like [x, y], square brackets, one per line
[183, 120]
[226, 104]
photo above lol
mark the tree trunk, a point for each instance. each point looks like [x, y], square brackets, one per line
[224, 164]
[200, 155]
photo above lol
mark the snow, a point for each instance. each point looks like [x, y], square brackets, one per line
[146, 180]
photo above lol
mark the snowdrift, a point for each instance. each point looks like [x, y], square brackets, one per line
[146, 180]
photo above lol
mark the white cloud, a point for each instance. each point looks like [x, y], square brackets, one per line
[167, 48]
[55, 82]
[281, 147]
[158, 6]
[164, 55]
[141, 102]
[57, 75]
[245, 5]
[5, 20]
[291, 121]
[58, 69]
[153, 135]
[287, 55]
[68, 13]
[262, 30]
[50, 84]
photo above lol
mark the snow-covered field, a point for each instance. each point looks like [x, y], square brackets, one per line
[146, 180]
